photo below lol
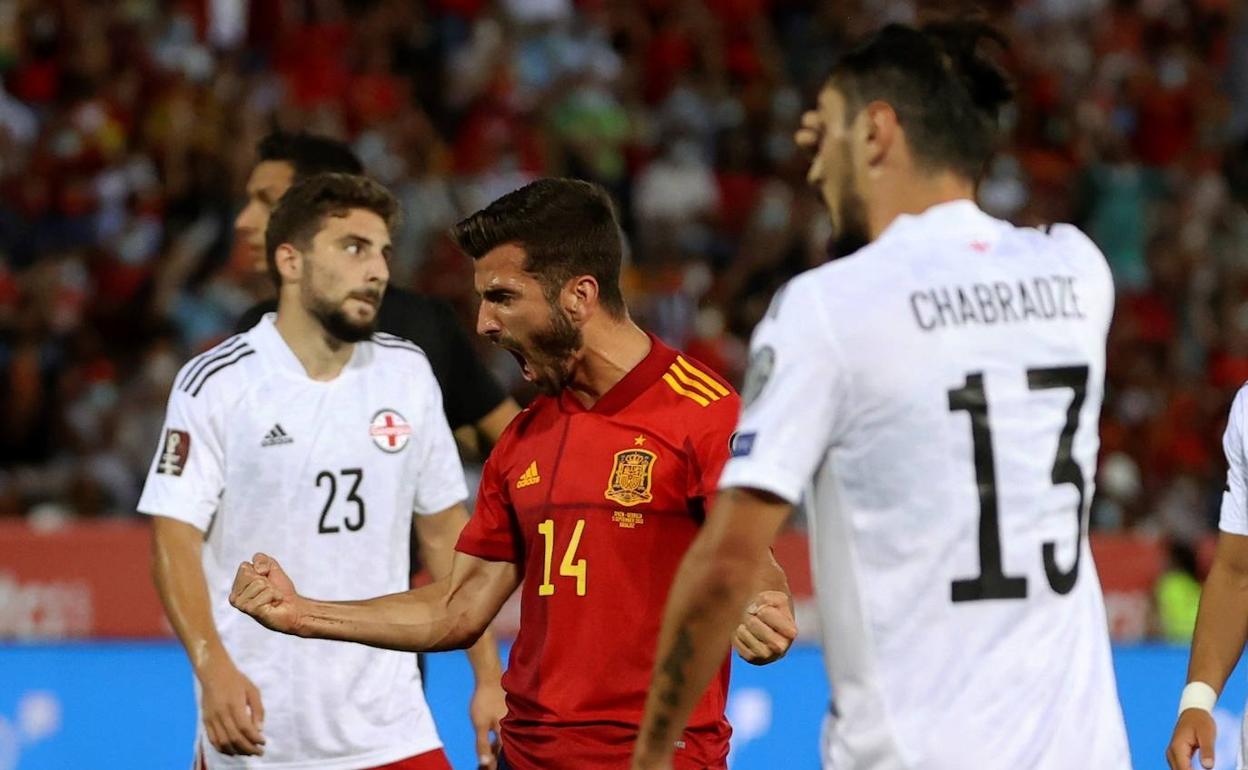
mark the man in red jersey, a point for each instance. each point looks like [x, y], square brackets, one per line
[590, 498]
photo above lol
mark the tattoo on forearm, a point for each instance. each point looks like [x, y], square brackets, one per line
[672, 682]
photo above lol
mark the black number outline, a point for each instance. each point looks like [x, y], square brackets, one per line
[325, 529]
[329, 501]
[358, 473]
[1065, 469]
[992, 582]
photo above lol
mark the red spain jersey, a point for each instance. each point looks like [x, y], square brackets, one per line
[598, 506]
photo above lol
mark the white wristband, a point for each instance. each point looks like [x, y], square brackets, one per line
[1198, 695]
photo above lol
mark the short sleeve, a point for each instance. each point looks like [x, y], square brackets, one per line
[792, 397]
[441, 482]
[711, 440]
[1234, 518]
[187, 475]
[491, 530]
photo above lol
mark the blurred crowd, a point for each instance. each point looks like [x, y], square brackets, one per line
[127, 129]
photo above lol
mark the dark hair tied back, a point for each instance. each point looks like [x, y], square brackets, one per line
[963, 43]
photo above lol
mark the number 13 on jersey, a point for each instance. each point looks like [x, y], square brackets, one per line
[570, 566]
[992, 582]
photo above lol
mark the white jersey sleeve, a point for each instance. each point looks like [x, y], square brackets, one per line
[1234, 517]
[187, 476]
[441, 482]
[792, 402]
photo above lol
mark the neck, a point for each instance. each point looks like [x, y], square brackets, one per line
[612, 348]
[323, 356]
[914, 195]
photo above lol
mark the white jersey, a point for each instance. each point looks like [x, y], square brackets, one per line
[325, 477]
[1234, 518]
[935, 398]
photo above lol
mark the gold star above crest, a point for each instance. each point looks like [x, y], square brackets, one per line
[639, 441]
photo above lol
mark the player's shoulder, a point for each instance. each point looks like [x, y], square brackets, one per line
[696, 393]
[1063, 233]
[1065, 240]
[226, 367]
[847, 280]
[394, 351]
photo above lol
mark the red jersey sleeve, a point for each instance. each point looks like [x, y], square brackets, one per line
[491, 531]
[711, 438]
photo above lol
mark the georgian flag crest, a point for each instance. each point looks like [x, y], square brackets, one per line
[389, 431]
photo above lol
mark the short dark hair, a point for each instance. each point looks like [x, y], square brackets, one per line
[567, 227]
[947, 94]
[301, 212]
[309, 154]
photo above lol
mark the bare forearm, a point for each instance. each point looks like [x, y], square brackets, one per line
[710, 589]
[1221, 626]
[179, 577]
[437, 535]
[702, 610]
[421, 620]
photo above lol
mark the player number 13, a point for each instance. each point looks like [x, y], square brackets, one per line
[992, 582]
[570, 566]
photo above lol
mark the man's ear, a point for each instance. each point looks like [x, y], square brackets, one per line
[880, 132]
[289, 262]
[580, 297]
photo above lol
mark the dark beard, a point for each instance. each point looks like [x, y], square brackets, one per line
[332, 317]
[853, 234]
[343, 329]
[551, 352]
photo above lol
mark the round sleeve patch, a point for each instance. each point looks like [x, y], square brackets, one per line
[762, 362]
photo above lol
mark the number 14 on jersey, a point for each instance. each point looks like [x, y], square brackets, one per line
[570, 566]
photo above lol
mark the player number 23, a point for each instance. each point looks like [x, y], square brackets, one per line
[353, 519]
[992, 582]
[570, 566]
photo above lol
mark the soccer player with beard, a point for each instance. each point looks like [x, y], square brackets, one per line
[933, 398]
[471, 397]
[312, 437]
[590, 498]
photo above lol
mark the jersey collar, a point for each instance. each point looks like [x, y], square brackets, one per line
[637, 381]
[280, 355]
[955, 216]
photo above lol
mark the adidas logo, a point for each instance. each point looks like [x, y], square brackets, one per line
[529, 477]
[276, 436]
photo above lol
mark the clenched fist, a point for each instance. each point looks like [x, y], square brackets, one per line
[767, 630]
[264, 591]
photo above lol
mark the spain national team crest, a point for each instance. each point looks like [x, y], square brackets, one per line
[631, 476]
[390, 432]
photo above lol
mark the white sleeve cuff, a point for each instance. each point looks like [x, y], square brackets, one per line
[744, 472]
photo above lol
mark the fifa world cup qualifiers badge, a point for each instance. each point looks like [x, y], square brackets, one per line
[174, 451]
